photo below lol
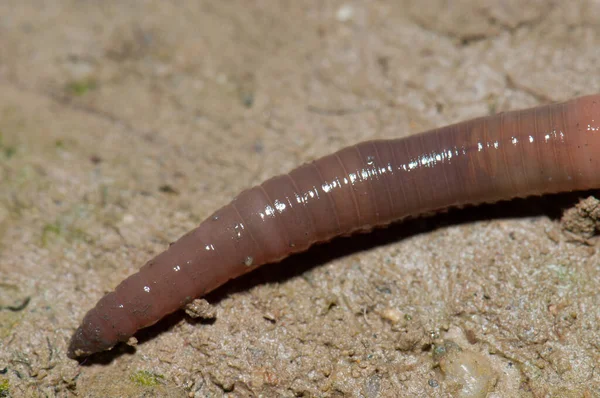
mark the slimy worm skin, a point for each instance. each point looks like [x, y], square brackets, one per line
[542, 150]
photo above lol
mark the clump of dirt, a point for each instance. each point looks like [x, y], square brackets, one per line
[584, 219]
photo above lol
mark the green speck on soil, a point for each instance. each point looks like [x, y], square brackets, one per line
[562, 272]
[10, 151]
[7, 151]
[247, 99]
[50, 229]
[4, 390]
[81, 87]
[439, 351]
[64, 144]
[146, 378]
[8, 321]
[57, 229]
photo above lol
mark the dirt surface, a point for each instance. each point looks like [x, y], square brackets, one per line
[124, 124]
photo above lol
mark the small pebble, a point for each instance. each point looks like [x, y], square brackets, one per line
[344, 13]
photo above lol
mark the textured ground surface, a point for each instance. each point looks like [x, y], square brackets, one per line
[124, 124]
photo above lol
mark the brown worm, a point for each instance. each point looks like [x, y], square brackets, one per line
[548, 149]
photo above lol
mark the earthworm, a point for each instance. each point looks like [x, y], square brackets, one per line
[536, 151]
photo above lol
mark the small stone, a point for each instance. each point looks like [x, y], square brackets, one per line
[200, 308]
[132, 342]
[344, 13]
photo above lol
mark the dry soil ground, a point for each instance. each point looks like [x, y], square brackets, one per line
[124, 124]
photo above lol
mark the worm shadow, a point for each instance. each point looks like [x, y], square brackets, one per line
[551, 206]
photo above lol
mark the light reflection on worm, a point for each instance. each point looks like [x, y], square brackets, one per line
[548, 149]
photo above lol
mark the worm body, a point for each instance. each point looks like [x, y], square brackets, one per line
[536, 151]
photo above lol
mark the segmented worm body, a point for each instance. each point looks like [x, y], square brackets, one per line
[536, 151]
